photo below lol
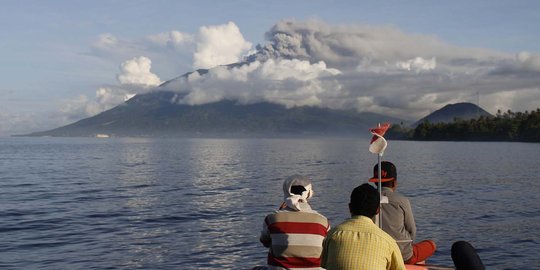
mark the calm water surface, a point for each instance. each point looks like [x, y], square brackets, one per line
[90, 203]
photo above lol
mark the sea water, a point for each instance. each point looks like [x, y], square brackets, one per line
[121, 203]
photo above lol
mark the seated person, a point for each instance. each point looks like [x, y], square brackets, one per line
[397, 217]
[294, 234]
[358, 243]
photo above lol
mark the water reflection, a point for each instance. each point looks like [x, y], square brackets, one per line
[220, 180]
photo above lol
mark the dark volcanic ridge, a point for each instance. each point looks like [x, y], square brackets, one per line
[154, 115]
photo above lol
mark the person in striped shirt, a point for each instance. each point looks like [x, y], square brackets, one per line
[294, 234]
[357, 243]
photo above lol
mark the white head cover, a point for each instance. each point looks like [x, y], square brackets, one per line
[293, 200]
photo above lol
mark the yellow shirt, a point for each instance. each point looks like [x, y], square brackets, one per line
[358, 244]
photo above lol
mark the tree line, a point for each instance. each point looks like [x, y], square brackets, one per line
[504, 126]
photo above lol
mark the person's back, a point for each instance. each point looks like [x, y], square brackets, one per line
[359, 235]
[294, 234]
[398, 220]
[358, 243]
[397, 217]
[296, 238]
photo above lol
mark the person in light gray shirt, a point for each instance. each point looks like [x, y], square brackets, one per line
[398, 219]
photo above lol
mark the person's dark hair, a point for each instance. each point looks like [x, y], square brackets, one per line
[387, 183]
[364, 201]
[297, 190]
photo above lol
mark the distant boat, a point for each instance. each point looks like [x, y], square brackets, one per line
[102, 135]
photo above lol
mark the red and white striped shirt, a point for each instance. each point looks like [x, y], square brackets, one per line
[295, 239]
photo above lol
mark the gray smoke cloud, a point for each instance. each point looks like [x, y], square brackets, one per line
[368, 68]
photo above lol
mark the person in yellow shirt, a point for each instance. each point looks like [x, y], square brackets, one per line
[357, 243]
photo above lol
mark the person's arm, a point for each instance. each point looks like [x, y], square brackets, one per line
[396, 261]
[410, 225]
[324, 254]
[265, 238]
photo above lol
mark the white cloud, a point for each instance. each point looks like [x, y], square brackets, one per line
[515, 100]
[417, 64]
[178, 51]
[172, 39]
[77, 108]
[82, 106]
[137, 72]
[288, 82]
[16, 123]
[529, 61]
[109, 47]
[219, 45]
[171, 52]
[295, 69]
[135, 77]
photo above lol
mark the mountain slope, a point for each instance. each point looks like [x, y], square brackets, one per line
[451, 112]
[154, 115]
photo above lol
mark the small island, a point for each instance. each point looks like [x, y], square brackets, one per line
[504, 126]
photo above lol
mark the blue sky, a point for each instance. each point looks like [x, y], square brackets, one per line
[59, 65]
